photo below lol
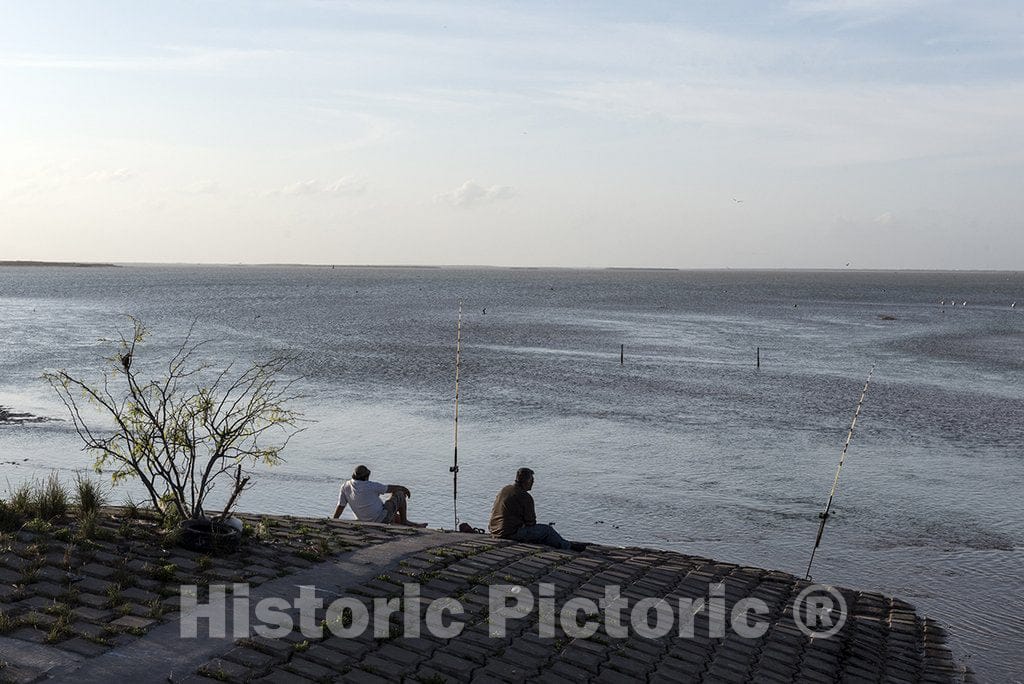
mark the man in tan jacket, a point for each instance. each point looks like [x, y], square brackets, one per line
[514, 516]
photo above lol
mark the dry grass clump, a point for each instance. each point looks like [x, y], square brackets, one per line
[90, 495]
[9, 519]
[34, 502]
[50, 500]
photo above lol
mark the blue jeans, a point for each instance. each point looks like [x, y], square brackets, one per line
[540, 534]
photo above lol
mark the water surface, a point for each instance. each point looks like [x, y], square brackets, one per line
[687, 446]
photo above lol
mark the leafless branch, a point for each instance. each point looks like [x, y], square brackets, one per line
[178, 435]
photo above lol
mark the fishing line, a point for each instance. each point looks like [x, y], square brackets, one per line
[824, 515]
[454, 470]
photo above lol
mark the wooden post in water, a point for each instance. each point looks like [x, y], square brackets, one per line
[622, 355]
[758, 357]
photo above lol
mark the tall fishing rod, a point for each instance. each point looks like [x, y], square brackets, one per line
[454, 470]
[824, 515]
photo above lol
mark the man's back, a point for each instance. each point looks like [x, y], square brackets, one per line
[513, 509]
[364, 498]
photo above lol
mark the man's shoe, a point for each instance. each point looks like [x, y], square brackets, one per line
[577, 546]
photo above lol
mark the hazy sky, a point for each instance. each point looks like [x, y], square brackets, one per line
[809, 133]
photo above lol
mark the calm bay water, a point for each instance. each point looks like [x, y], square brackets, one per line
[687, 446]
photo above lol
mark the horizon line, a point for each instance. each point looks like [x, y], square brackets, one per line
[117, 264]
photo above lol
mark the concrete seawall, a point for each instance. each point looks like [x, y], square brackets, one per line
[372, 603]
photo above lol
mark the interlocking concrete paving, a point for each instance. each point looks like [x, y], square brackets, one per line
[118, 616]
[86, 592]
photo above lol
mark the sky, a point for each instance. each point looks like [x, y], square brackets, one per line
[794, 134]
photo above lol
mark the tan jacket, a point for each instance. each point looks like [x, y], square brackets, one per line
[513, 509]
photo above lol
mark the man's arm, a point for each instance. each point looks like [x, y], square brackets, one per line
[399, 488]
[529, 512]
[342, 502]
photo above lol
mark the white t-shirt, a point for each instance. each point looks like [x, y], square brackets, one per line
[364, 498]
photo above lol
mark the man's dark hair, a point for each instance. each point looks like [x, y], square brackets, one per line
[523, 474]
[361, 473]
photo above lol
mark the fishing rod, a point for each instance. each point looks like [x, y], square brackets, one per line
[454, 470]
[824, 515]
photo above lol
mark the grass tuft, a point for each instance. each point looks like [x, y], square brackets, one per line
[87, 525]
[51, 499]
[39, 526]
[89, 495]
[21, 501]
[131, 508]
[7, 622]
[165, 573]
[9, 519]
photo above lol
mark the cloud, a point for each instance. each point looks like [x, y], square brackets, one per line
[472, 193]
[884, 219]
[344, 186]
[170, 58]
[826, 124]
[309, 187]
[66, 177]
[858, 7]
[116, 176]
[858, 14]
[208, 187]
[945, 22]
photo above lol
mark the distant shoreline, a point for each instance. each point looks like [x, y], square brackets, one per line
[487, 267]
[72, 264]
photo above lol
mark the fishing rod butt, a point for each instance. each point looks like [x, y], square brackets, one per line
[821, 532]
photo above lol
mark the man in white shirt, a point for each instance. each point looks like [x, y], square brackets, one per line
[364, 497]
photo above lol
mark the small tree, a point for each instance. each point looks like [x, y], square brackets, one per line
[185, 428]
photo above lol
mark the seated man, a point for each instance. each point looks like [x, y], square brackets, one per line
[364, 497]
[513, 516]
